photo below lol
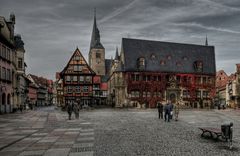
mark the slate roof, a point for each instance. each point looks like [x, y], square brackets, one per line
[108, 64]
[19, 44]
[178, 57]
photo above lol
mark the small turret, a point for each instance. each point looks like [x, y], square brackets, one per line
[206, 42]
[12, 18]
[116, 55]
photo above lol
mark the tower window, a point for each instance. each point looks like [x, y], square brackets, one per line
[98, 55]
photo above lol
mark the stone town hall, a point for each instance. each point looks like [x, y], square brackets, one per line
[144, 73]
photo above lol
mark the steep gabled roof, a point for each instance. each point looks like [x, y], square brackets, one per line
[168, 57]
[85, 64]
[221, 79]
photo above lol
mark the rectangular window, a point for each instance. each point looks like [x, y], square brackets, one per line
[8, 54]
[135, 93]
[69, 89]
[77, 68]
[75, 78]
[3, 73]
[88, 79]
[186, 94]
[85, 88]
[20, 63]
[81, 78]
[8, 74]
[4, 52]
[78, 90]
[68, 79]
[77, 58]
[198, 94]
[205, 94]
[204, 80]
[148, 94]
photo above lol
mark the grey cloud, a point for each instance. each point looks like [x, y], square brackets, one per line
[53, 29]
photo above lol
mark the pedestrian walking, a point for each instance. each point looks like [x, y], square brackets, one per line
[76, 110]
[167, 112]
[176, 111]
[160, 110]
[69, 110]
[21, 108]
[171, 110]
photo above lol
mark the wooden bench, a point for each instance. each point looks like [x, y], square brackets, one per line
[212, 131]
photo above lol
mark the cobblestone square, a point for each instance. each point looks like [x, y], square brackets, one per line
[104, 132]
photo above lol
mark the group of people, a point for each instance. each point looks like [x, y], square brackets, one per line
[168, 111]
[73, 107]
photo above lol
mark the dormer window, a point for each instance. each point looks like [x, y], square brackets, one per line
[162, 62]
[153, 56]
[169, 57]
[185, 58]
[141, 63]
[198, 66]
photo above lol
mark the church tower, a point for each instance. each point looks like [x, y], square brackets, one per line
[97, 52]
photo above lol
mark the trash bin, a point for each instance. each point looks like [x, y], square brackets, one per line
[225, 130]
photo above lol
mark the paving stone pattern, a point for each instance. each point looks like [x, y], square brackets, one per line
[114, 132]
[45, 132]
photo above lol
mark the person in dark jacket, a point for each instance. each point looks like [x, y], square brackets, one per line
[160, 110]
[69, 110]
[167, 110]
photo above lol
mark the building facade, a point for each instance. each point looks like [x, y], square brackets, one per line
[7, 64]
[77, 79]
[148, 72]
[221, 83]
[233, 89]
[22, 82]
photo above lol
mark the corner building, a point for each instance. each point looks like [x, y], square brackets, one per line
[77, 82]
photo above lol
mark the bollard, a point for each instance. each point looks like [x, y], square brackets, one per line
[230, 135]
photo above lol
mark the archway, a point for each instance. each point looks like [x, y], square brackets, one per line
[8, 99]
[3, 99]
[172, 97]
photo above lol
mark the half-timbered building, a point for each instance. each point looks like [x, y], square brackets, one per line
[148, 72]
[77, 79]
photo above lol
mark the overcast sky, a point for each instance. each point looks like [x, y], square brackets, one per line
[52, 29]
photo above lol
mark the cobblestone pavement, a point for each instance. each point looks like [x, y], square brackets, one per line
[140, 132]
[110, 132]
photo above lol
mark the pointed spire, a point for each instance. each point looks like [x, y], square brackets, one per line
[95, 40]
[116, 55]
[206, 42]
